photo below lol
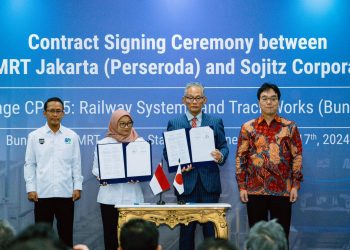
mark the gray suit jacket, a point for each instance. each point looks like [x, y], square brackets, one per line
[209, 175]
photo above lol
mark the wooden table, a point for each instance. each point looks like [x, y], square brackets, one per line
[174, 214]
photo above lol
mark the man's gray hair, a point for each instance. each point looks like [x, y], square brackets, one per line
[194, 84]
[266, 236]
[7, 233]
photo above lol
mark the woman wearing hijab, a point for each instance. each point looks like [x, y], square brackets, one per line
[120, 130]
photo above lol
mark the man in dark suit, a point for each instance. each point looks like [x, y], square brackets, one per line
[201, 184]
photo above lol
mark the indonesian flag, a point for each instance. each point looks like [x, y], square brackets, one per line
[178, 181]
[159, 182]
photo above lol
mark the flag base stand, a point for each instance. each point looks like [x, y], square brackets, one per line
[160, 202]
[181, 202]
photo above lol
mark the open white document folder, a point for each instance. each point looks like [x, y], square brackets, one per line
[121, 162]
[201, 142]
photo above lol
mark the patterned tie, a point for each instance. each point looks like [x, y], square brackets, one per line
[194, 122]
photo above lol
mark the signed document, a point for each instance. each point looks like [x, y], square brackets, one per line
[111, 161]
[123, 162]
[202, 144]
[176, 147]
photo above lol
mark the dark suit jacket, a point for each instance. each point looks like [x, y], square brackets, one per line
[209, 175]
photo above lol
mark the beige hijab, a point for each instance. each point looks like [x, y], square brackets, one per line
[113, 127]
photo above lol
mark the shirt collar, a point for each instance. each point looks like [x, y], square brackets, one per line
[277, 118]
[190, 116]
[48, 129]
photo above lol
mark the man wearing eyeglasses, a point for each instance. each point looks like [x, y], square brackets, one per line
[201, 184]
[269, 162]
[52, 171]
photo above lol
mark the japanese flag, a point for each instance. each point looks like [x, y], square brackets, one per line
[178, 181]
[159, 182]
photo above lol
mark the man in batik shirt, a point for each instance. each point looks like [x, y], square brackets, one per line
[269, 162]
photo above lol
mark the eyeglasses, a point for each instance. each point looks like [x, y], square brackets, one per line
[192, 99]
[126, 124]
[55, 111]
[272, 99]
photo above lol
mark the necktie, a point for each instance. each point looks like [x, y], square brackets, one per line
[194, 122]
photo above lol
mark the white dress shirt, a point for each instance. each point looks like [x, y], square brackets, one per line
[119, 193]
[190, 117]
[52, 163]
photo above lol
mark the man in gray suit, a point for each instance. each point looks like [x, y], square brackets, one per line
[201, 184]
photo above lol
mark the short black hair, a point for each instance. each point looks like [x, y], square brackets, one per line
[38, 236]
[38, 244]
[53, 99]
[7, 233]
[139, 234]
[266, 86]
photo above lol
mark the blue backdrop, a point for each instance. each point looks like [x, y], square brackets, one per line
[138, 55]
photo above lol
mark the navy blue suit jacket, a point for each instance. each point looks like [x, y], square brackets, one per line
[209, 175]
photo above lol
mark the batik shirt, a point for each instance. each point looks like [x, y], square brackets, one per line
[269, 157]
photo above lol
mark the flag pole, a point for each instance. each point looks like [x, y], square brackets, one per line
[180, 200]
[161, 202]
